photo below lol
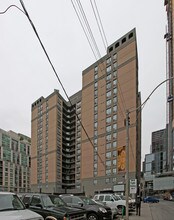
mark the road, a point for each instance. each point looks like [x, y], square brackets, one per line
[164, 210]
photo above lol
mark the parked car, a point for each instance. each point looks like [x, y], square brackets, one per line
[95, 211]
[151, 199]
[112, 201]
[11, 208]
[42, 204]
[131, 201]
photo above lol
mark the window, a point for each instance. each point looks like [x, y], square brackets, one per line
[95, 157]
[114, 126]
[115, 65]
[115, 108]
[123, 40]
[108, 69]
[108, 172]
[108, 128]
[117, 44]
[130, 35]
[114, 82]
[96, 69]
[108, 94]
[95, 109]
[115, 91]
[95, 117]
[115, 100]
[108, 154]
[108, 103]
[95, 85]
[108, 77]
[107, 180]
[114, 56]
[114, 135]
[115, 73]
[114, 179]
[108, 60]
[108, 163]
[95, 76]
[114, 162]
[114, 144]
[108, 111]
[114, 171]
[108, 120]
[95, 93]
[95, 101]
[114, 153]
[95, 166]
[108, 146]
[108, 86]
[114, 117]
[110, 49]
[108, 137]
[95, 141]
[95, 125]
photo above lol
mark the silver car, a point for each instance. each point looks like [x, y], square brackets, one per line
[11, 208]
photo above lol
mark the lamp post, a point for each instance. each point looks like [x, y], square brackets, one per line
[127, 142]
[127, 164]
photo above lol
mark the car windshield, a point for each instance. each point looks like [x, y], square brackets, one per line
[57, 201]
[47, 201]
[88, 201]
[10, 202]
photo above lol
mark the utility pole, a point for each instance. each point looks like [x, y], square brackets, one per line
[127, 164]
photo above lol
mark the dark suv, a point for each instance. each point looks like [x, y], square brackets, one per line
[95, 211]
[42, 204]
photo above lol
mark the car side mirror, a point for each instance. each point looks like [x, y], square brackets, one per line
[80, 203]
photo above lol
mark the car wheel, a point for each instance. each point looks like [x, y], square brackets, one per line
[92, 216]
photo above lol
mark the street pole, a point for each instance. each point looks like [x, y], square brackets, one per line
[127, 165]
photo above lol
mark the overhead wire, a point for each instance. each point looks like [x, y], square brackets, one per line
[3, 12]
[98, 24]
[89, 28]
[81, 8]
[81, 22]
[123, 113]
[32, 24]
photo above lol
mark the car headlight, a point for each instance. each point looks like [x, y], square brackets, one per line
[103, 210]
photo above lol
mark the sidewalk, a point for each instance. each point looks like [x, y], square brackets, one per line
[145, 213]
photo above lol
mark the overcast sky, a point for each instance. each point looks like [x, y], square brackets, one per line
[25, 74]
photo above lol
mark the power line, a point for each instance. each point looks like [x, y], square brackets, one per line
[57, 74]
[98, 24]
[81, 22]
[3, 12]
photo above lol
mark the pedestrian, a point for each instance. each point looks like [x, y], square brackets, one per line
[138, 205]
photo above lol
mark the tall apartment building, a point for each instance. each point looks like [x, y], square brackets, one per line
[55, 138]
[14, 162]
[110, 88]
[170, 86]
[72, 156]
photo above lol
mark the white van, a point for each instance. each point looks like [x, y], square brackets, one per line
[112, 201]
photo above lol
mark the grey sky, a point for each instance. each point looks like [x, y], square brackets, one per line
[24, 67]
